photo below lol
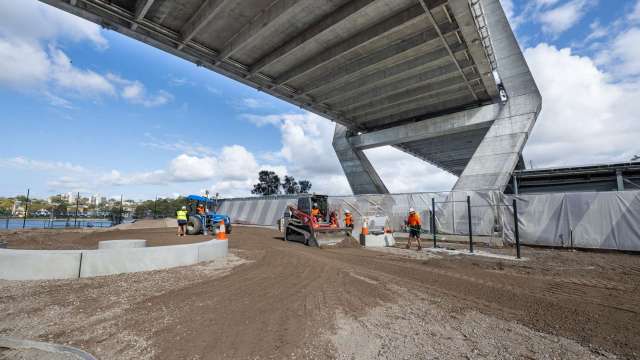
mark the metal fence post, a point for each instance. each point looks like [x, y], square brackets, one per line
[26, 210]
[470, 226]
[517, 232]
[75, 220]
[433, 219]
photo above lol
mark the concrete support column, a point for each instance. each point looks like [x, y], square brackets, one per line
[497, 155]
[361, 175]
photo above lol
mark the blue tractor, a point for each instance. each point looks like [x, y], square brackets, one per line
[203, 217]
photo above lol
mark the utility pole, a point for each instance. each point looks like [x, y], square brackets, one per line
[155, 207]
[26, 210]
[120, 217]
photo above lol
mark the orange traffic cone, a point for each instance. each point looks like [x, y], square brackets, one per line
[365, 227]
[222, 231]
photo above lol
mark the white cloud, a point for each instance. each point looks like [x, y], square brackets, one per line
[24, 64]
[136, 93]
[85, 82]
[32, 61]
[635, 14]
[33, 21]
[180, 146]
[116, 178]
[192, 168]
[402, 172]
[585, 118]
[625, 52]
[563, 17]
[253, 103]
[21, 162]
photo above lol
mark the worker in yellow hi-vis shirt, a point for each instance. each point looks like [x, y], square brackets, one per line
[181, 215]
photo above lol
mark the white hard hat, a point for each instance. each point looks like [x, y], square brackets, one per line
[347, 212]
[315, 204]
[184, 208]
[411, 210]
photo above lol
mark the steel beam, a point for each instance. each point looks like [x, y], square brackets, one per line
[267, 17]
[446, 44]
[142, 7]
[203, 15]
[429, 91]
[377, 59]
[435, 63]
[404, 18]
[374, 88]
[418, 102]
[464, 16]
[352, 8]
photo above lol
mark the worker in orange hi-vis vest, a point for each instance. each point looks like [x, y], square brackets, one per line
[315, 211]
[415, 224]
[348, 220]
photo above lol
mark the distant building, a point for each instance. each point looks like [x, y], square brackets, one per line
[42, 212]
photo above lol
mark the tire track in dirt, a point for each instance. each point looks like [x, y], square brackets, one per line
[286, 299]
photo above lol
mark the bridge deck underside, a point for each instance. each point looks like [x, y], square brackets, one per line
[366, 64]
[450, 152]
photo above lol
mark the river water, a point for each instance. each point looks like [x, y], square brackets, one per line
[52, 224]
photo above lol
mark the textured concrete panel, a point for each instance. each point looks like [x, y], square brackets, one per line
[39, 264]
[212, 250]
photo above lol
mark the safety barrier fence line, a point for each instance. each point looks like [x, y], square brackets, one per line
[600, 220]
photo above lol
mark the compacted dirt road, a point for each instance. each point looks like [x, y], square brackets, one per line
[276, 300]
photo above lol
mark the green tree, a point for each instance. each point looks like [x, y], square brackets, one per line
[268, 183]
[290, 185]
[305, 186]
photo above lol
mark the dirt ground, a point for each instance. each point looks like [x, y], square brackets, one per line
[61, 239]
[274, 300]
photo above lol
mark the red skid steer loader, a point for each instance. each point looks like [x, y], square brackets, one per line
[321, 231]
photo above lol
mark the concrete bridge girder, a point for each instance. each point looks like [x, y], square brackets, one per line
[490, 165]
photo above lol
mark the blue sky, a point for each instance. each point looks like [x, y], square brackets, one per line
[90, 110]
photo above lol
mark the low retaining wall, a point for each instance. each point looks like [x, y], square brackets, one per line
[122, 244]
[72, 264]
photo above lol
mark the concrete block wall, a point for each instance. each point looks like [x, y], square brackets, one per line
[72, 264]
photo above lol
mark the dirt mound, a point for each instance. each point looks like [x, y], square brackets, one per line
[348, 242]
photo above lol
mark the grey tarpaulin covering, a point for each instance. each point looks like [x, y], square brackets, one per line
[451, 209]
[256, 211]
[599, 220]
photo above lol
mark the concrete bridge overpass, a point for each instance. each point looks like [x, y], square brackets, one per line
[443, 80]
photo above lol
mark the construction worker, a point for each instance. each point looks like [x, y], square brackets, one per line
[181, 215]
[348, 219]
[200, 209]
[333, 219]
[315, 211]
[415, 224]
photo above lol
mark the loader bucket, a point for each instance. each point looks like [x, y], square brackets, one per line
[336, 237]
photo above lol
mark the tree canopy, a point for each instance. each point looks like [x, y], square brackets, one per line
[269, 184]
